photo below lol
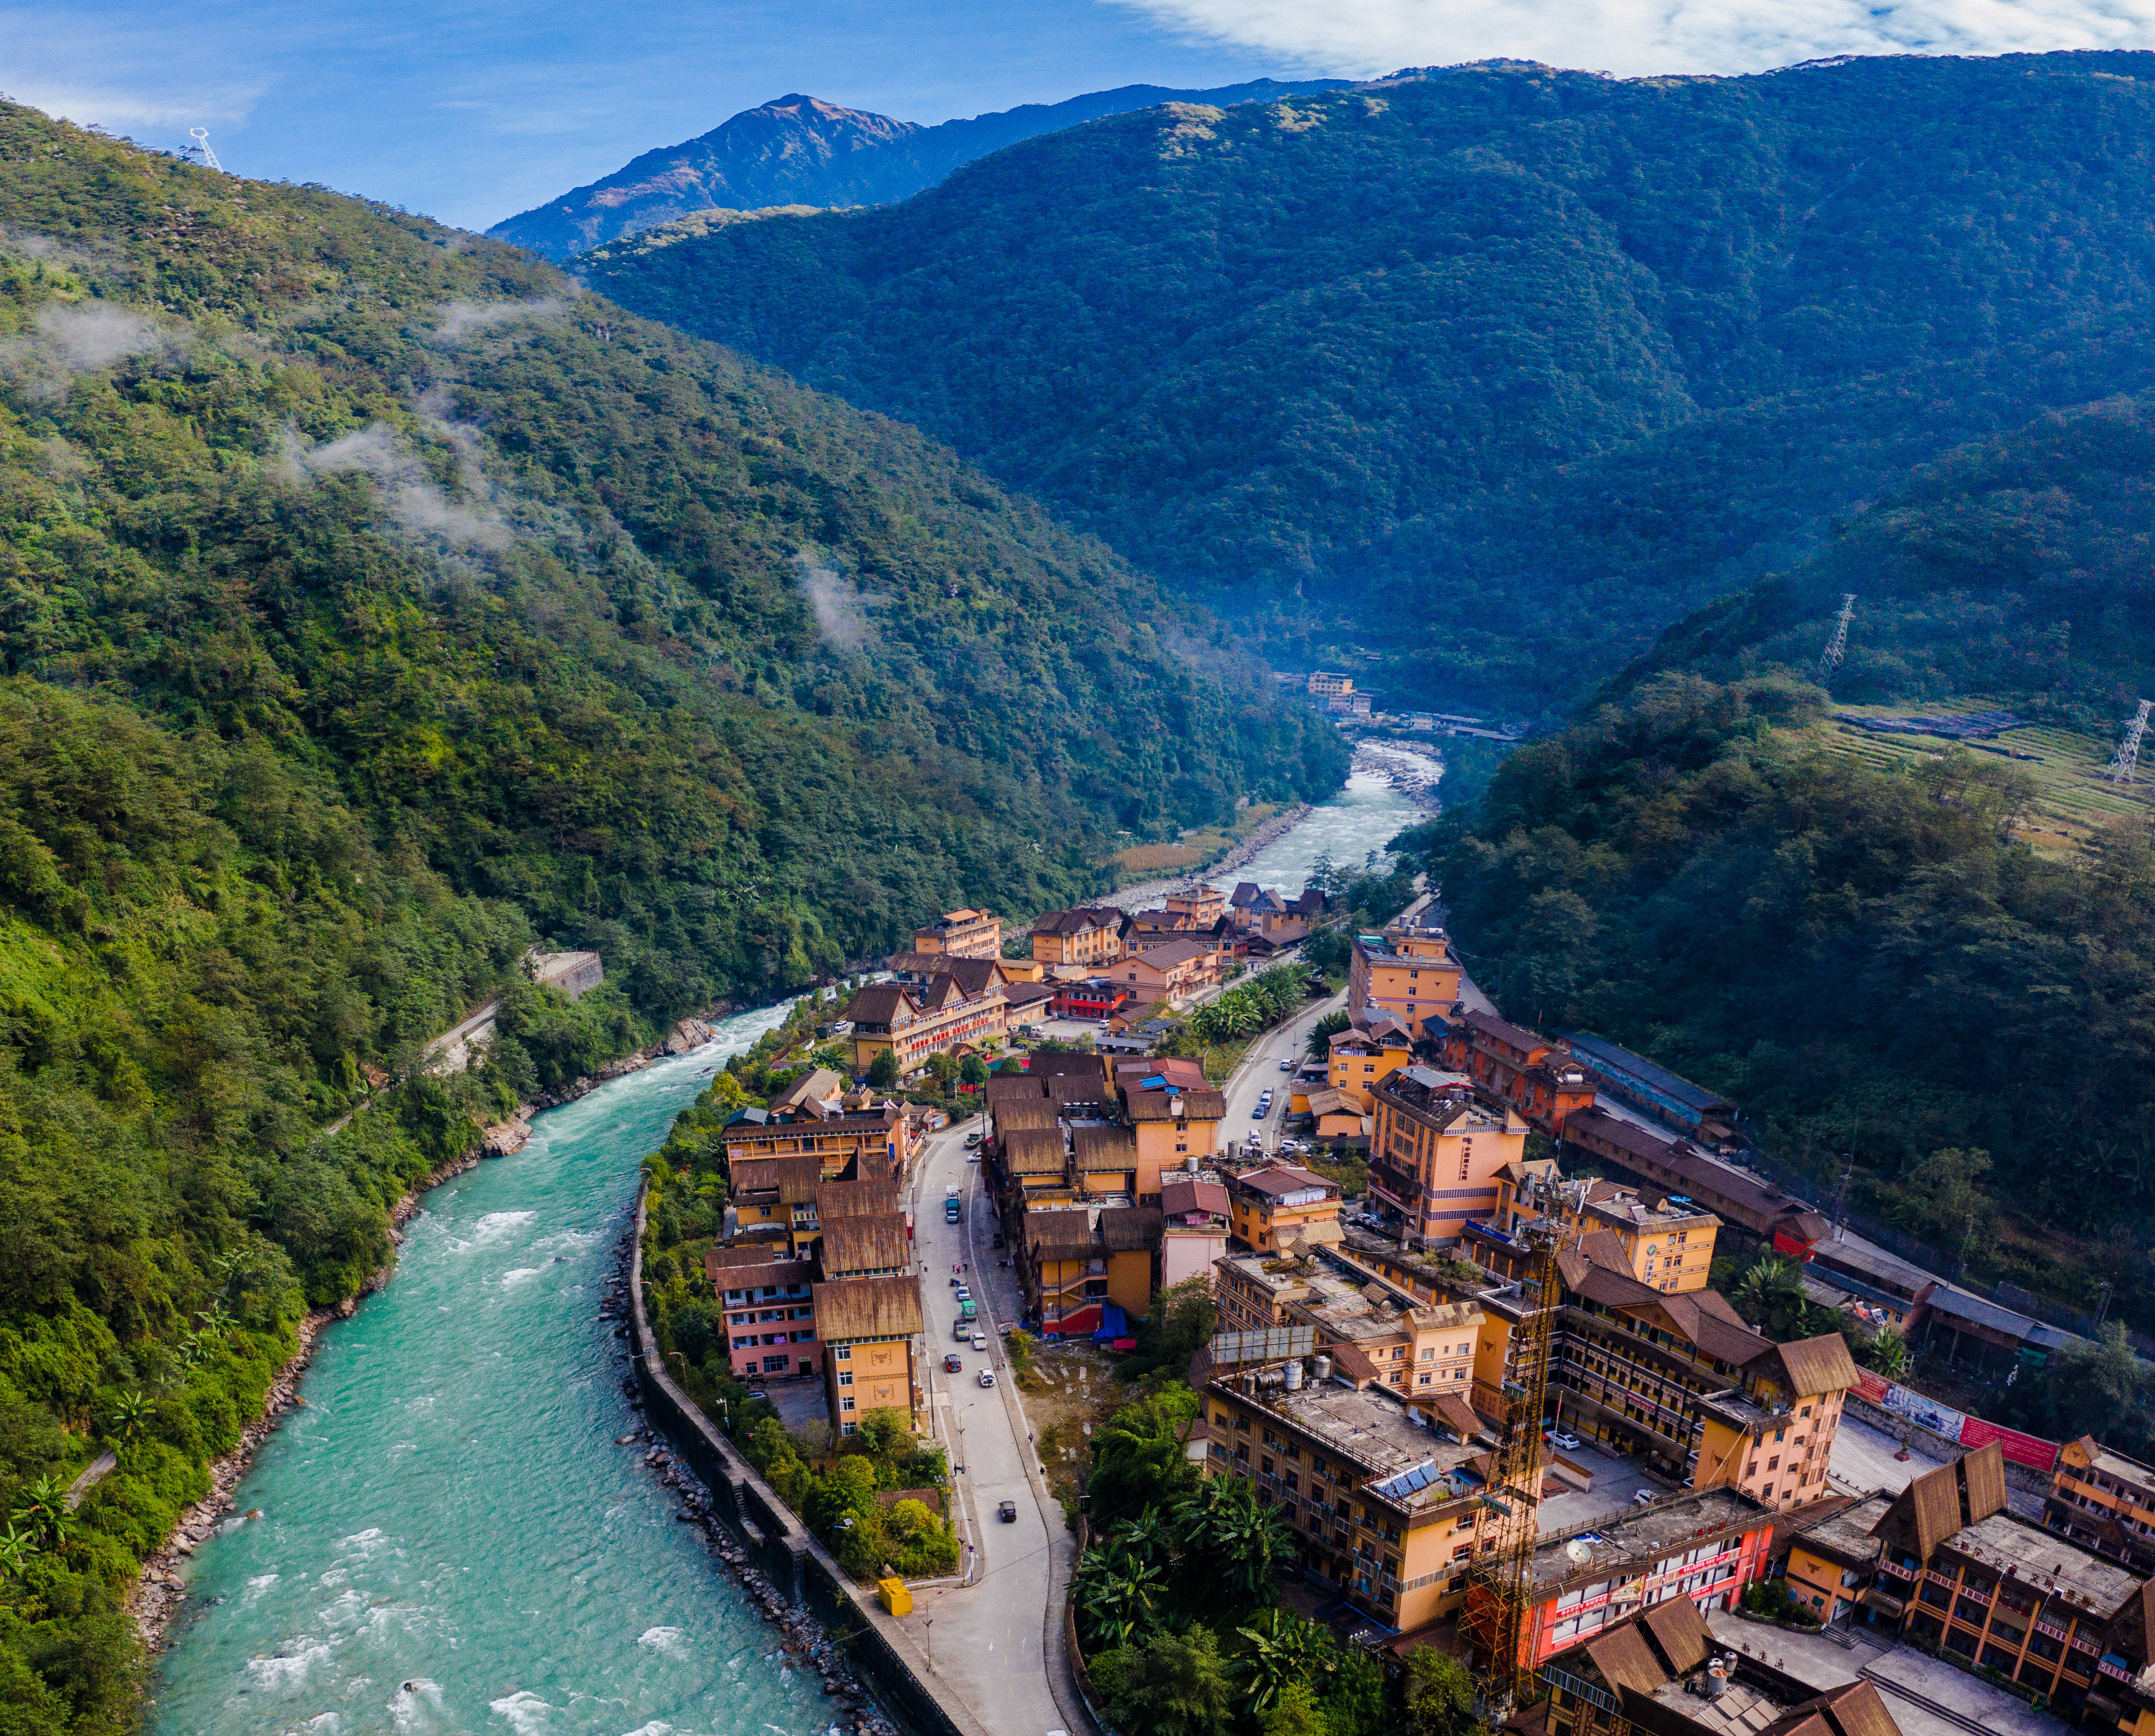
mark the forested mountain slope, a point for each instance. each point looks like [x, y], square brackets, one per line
[1502, 370]
[1878, 950]
[373, 605]
[801, 151]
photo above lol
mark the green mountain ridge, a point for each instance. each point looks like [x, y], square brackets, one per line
[375, 605]
[1881, 947]
[1499, 371]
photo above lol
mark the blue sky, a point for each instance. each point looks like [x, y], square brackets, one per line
[471, 111]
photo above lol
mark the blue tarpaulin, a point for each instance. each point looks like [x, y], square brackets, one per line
[1113, 1324]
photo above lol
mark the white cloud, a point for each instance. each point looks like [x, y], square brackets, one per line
[409, 493]
[75, 338]
[1632, 37]
[842, 608]
[459, 319]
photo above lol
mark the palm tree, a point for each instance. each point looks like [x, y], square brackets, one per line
[1886, 1352]
[1771, 1297]
[1282, 1650]
[130, 1414]
[1235, 1536]
[1148, 1539]
[1117, 1598]
[17, 1546]
[46, 1516]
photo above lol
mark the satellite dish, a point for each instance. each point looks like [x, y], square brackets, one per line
[1579, 1553]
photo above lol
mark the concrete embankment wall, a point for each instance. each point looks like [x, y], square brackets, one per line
[880, 1651]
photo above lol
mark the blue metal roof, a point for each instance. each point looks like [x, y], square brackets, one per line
[1619, 1059]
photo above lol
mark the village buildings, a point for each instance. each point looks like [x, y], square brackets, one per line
[1082, 938]
[1435, 1152]
[1386, 1502]
[870, 1328]
[1408, 970]
[912, 1022]
[2105, 1501]
[1277, 1207]
[962, 933]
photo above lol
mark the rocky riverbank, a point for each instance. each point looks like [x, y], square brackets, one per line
[805, 1642]
[1150, 893]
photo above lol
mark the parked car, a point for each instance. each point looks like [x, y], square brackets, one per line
[964, 1295]
[980, 1341]
[972, 1139]
[1561, 1441]
[1645, 1497]
[953, 1363]
[1008, 1512]
[1287, 1065]
[987, 1377]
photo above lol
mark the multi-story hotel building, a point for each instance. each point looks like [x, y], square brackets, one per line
[915, 1023]
[869, 1326]
[1386, 1502]
[963, 933]
[1436, 1150]
[2104, 1501]
[1080, 937]
[1408, 970]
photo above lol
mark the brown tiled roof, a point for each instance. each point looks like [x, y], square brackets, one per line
[1159, 1105]
[864, 1308]
[1855, 1709]
[1679, 1633]
[1178, 1199]
[1624, 1659]
[1051, 1062]
[865, 1244]
[1127, 1228]
[818, 1083]
[1021, 1114]
[1034, 1151]
[794, 1179]
[1014, 1087]
[1076, 1087]
[1020, 994]
[1818, 1365]
[1516, 1036]
[854, 1198]
[1352, 1363]
[1275, 1178]
[1175, 952]
[1077, 921]
[879, 1003]
[1595, 1267]
[1104, 1148]
[1329, 1102]
[781, 1274]
[1456, 1414]
[1065, 1234]
[974, 977]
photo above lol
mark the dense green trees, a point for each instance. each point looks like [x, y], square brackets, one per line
[1846, 952]
[1499, 369]
[374, 607]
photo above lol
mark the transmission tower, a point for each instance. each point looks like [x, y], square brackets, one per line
[1497, 1596]
[1831, 659]
[200, 134]
[2127, 756]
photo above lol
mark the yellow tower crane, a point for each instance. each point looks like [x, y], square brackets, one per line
[1494, 1620]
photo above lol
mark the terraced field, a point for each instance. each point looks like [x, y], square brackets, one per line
[2074, 798]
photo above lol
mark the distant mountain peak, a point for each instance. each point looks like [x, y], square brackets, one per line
[801, 150]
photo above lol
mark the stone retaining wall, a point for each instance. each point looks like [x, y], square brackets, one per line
[880, 1651]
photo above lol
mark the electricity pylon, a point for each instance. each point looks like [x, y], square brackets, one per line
[200, 134]
[2127, 756]
[1830, 660]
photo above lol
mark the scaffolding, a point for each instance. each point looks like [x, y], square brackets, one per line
[1495, 1621]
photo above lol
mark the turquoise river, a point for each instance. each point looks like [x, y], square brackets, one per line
[450, 1540]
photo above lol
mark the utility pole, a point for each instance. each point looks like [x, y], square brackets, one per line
[200, 134]
[1829, 660]
[2127, 756]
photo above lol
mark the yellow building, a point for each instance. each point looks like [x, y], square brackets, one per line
[1833, 1557]
[2104, 1501]
[915, 1023]
[1677, 1378]
[963, 933]
[1279, 1206]
[1436, 1150]
[1670, 1247]
[1170, 1128]
[1204, 905]
[1169, 973]
[869, 1326]
[1326, 684]
[1361, 1056]
[875, 1143]
[1387, 1507]
[1408, 970]
[1075, 1259]
[1081, 937]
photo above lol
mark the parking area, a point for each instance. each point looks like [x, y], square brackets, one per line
[1616, 1480]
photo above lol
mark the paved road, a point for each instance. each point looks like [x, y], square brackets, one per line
[995, 1638]
[1260, 1071]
